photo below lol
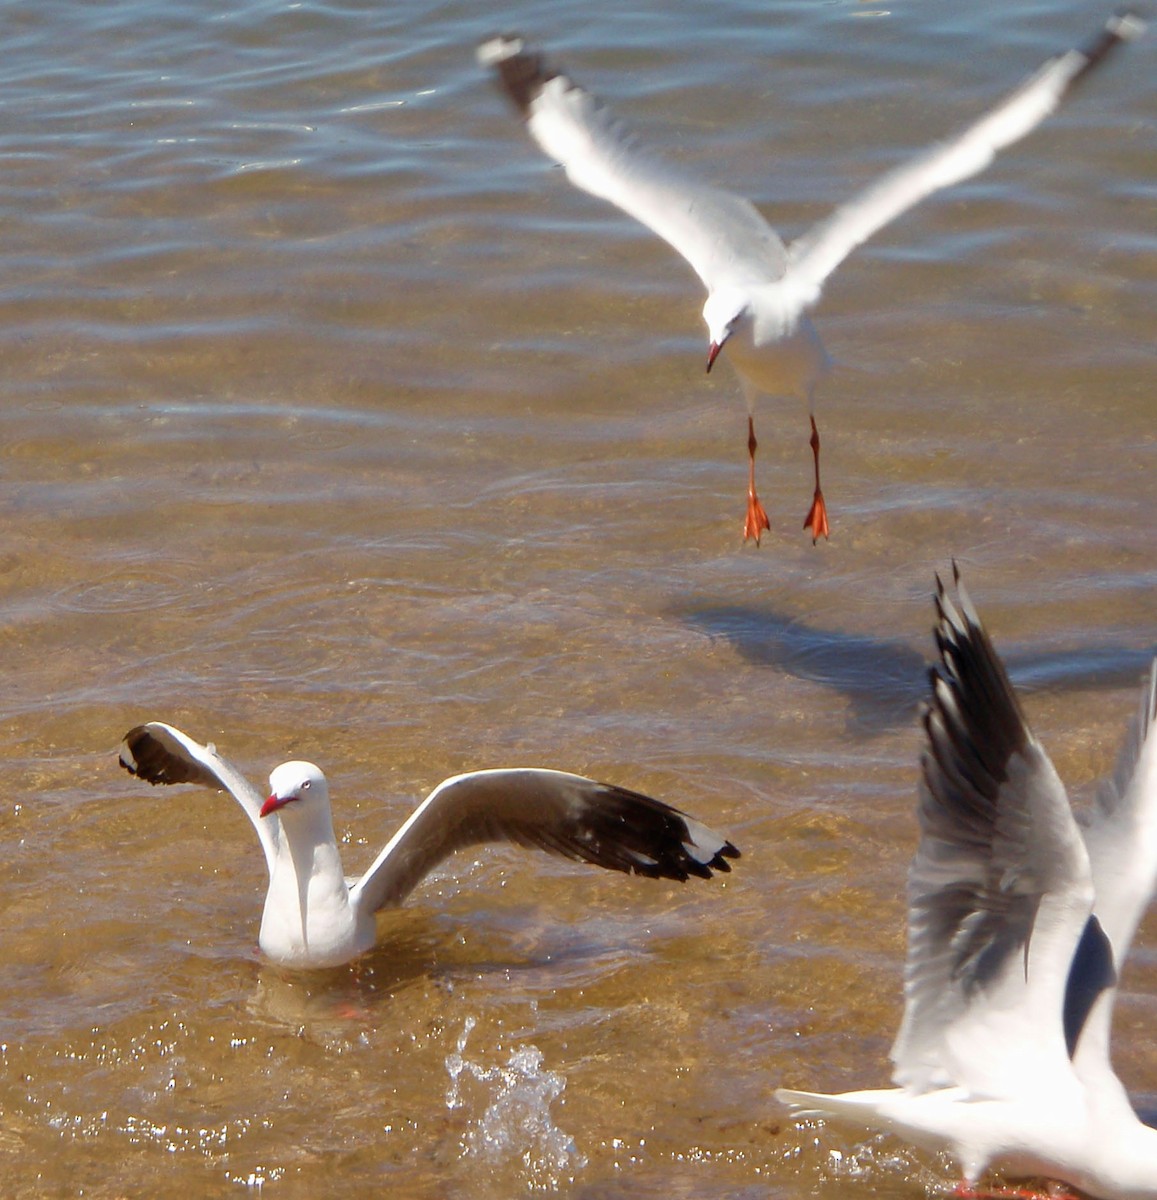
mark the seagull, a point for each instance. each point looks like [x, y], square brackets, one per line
[1019, 921]
[758, 289]
[315, 917]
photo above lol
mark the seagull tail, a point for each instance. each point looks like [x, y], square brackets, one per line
[861, 1109]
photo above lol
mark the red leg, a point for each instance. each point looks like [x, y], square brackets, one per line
[967, 1191]
[757, 520]
[817, 516]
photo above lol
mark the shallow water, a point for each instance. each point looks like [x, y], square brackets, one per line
[339, 426]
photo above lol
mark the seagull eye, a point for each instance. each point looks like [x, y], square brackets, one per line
[305, 786]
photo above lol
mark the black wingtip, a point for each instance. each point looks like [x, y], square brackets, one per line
[973, 721]
[522, 73]
[1123, 26]
[705, 870]
[631, 832]
[144, 754]
[134, 750]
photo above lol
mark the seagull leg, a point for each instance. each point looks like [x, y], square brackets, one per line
[817, 516]
[757, 520]
[968, 1191]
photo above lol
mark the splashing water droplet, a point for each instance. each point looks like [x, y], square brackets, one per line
[516, 1124]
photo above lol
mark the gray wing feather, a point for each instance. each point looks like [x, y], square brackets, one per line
[817, 253]
[1122, 832]
[1121, 836]
[549, 810]
[1000, 879]
[721, 235]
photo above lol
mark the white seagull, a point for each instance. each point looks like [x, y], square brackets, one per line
[758, 289]
[315, 917]
[1019, 921]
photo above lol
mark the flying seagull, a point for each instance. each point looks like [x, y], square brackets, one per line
[316, 917]
[1019, 920]
[759, 290]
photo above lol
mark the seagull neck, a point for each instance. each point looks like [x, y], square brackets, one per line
[308, 861]
[307, 908]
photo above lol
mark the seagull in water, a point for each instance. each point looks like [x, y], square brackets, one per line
[758, 289]
[315, 917]
[1019, 921]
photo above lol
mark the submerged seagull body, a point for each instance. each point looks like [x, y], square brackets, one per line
[1019, 921]
[758, 289]
[315, 917]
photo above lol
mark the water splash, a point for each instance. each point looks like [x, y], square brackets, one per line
[878, 1157]
[516, 1124]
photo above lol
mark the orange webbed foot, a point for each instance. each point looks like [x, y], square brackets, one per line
[817, 518]
[757, 520]
[967, 1191]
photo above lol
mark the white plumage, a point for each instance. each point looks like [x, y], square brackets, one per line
[1019, 921]
[315, 917]
[758, 290]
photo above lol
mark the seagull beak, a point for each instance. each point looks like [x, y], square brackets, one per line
[274, 803]
[713, 354]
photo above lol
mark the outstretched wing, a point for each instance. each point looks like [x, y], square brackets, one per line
[722, 236]
[815, 255]
[1121, 837]
[158, 753]
[1000, 889]
[549, 810]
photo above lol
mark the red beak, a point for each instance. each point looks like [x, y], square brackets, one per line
[274, 803]
[713, 354]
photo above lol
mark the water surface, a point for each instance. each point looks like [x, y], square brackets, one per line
[338, 426]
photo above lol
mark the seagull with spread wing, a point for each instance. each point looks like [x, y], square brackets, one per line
[1020, 919]
[759, 291]
[315, 917]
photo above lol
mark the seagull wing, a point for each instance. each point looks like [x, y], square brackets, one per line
[1000, 889]
[815, 255]
[722, 236]
[1121, 836]
[550, 810]
[158, 753]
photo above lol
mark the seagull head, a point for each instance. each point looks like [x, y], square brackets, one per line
[296, 783]
[723, 312]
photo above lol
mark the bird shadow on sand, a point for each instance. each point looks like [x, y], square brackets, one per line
[885, 680]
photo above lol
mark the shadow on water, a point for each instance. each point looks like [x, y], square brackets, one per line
[1105, 667]
[885, 680]
[882, 679]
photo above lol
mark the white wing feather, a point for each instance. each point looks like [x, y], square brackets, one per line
[815, 255]
[159, 753]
